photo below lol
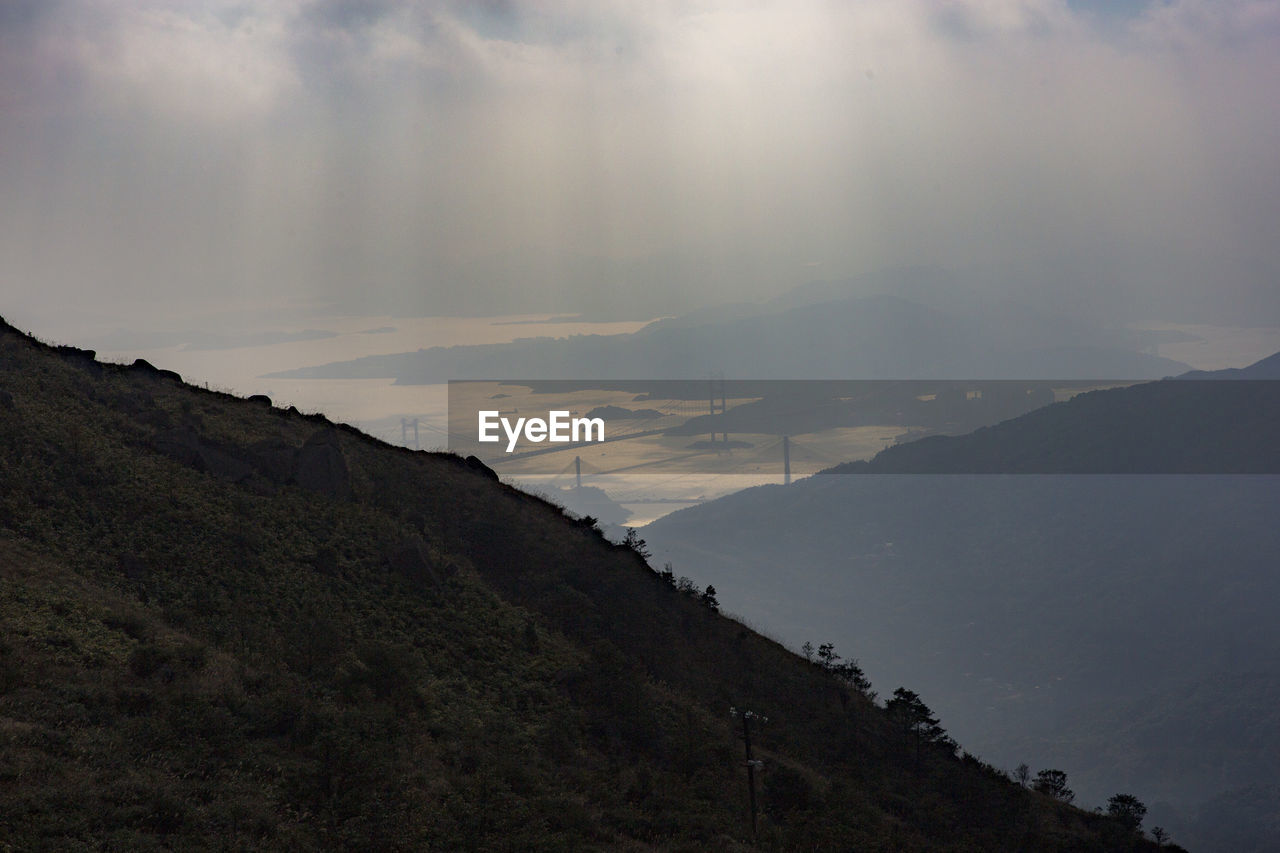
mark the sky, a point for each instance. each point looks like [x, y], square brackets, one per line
[233, 163]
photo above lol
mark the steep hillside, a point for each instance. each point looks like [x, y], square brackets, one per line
[230, 626]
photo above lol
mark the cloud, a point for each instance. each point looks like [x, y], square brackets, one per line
[437, 156]
[1196, 23]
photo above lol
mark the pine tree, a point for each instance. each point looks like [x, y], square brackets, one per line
[1054, 783]
[1127, 809]
[918, 722]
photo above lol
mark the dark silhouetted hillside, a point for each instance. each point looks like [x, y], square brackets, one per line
[228, 626]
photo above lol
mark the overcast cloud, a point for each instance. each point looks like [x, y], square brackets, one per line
[158, 158]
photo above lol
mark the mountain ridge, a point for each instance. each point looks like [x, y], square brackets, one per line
[849, 338]
[1184, 425]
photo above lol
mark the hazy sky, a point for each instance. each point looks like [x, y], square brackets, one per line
[160, 158]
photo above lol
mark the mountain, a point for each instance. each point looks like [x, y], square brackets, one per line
[1169, 427]
[228, 625]
[1118, 624]
[869, 337]
[1267, 368]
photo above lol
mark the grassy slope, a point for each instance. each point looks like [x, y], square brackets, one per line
[194, 662]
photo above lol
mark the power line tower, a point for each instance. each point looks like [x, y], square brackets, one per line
[711, 403]
[750, 763]
[724, 406]
[711, 400]
[404, 432]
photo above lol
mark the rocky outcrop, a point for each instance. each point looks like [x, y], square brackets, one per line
[474, 463]
[318, 466]
[181, 444]
[275, 459]
[322, 468]
[184, 444]
[143, 366]
[85, 359]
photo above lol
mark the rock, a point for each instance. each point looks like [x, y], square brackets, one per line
[474, 463]
[141, 406]
[182, 445]
[260, 399]
[275, 459]
[76, 353]
[220, 463]
[321, 467]
[144, 366]
[83, 358]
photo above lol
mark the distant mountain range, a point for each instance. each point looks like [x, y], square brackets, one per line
[1166, 427]
[796, 337]
[1105, 609]
[1267, 368]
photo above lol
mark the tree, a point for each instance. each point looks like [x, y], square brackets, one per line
[633, 541]
[1054, 783]
[708, 597]
[1022, 774]
[850, 673]
[917, 721]
[1127, 809]
[1160, 835]
[668, 575]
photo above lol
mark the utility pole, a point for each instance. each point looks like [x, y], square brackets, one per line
[724, 405]
[751, 763]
